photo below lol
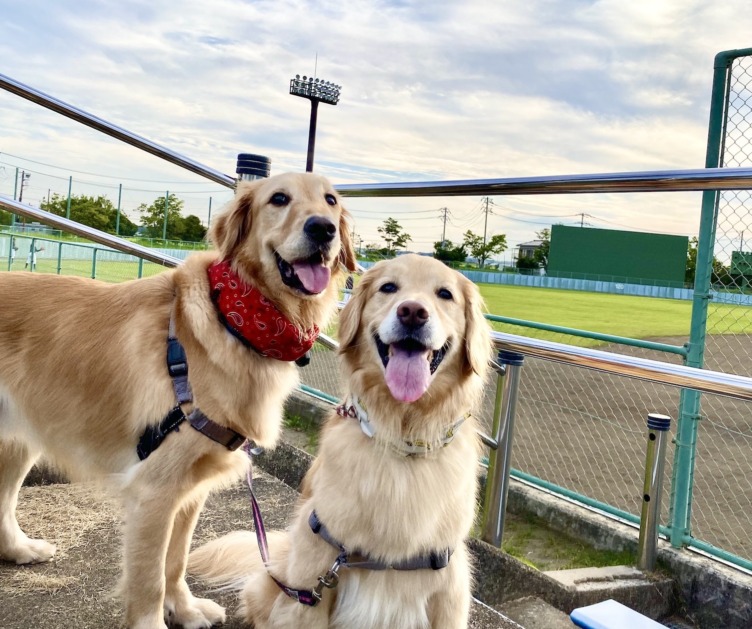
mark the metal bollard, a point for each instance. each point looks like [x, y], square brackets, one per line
[655, 461]
[500, 459]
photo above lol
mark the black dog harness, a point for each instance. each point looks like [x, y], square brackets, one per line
[177, 367]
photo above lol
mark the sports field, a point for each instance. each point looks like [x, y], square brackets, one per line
[106, 270]
[621, 315]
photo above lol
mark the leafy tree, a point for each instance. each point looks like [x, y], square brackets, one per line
[193, 230]
[720, 273]
[394, 236]
[482, 252]
[447, 251]
[97, 212]
[541, 253]
[153, 217]
[527, 263]
[4, 217]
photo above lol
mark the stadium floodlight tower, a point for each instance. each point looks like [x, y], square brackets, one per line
[317, 91]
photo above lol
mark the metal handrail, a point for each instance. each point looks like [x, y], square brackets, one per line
[705, 380]
[655, 371]
[60, 222]
[647, 181]
[90, 120]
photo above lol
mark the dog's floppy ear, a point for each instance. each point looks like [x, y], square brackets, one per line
[347, 251]
[478, 346]
[230, 228]
[352, 314]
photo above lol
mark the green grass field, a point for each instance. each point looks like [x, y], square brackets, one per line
[106, 270]
[621, 315]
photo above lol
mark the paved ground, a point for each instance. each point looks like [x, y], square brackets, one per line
[74, 590]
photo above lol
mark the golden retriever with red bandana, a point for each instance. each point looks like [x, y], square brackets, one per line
[84, 378]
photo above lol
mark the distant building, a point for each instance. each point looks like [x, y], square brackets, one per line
[528, 249]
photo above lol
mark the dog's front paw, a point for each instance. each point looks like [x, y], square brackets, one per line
[26, 551]
[194, 613]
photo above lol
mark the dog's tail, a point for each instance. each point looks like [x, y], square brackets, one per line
[228, 561]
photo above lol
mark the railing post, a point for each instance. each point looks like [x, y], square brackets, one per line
[11, 256]
[655, 462]
[32, 255]
[500, 460]
[689, 402]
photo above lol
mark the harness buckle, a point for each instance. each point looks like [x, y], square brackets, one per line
[177, 363]
[440, 560]
[177, 370]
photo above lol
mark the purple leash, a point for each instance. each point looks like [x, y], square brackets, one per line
[436, 560]
[306, 597]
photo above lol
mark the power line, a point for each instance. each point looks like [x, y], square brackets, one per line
[83, 172]
[509, 209]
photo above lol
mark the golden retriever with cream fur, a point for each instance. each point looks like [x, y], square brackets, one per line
[395, 477]
[84, 373]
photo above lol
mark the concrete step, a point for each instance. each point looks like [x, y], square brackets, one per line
[74, 590]
[532, 612]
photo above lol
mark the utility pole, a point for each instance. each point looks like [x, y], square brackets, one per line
[24, 180]
[582, 219]
[445, 217]
[485, 226]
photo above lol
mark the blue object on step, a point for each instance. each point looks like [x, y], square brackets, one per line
[611, 615]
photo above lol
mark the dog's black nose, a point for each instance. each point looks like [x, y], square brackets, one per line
[320, 229]
[412, 314]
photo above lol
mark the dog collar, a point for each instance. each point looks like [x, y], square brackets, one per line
[353, 407]
[253, 319]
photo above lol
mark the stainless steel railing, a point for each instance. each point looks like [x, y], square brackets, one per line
[102, 238]
[90, 120]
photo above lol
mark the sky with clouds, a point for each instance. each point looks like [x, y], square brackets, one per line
[431, 91]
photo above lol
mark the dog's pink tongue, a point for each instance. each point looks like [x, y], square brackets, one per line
[407, 374]
[315, 277]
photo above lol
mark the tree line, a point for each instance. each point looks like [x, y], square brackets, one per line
[473, 245]
[101, 214]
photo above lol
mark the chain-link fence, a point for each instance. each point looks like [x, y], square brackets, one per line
[45, 255]
[722, 498]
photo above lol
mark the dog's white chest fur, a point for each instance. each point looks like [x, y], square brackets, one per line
[377, 600]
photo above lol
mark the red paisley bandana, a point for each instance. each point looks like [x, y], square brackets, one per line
[254, 319]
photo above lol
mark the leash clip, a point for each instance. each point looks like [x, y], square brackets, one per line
[329, 580]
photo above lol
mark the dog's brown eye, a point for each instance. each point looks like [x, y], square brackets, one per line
[389, 287]
[331, 199]
[279, 199]
[443, 293]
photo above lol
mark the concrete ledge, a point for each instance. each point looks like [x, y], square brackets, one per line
[501, 578]
[709, 593]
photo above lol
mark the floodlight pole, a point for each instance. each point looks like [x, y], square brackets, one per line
[316, 91]
[312, 134]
